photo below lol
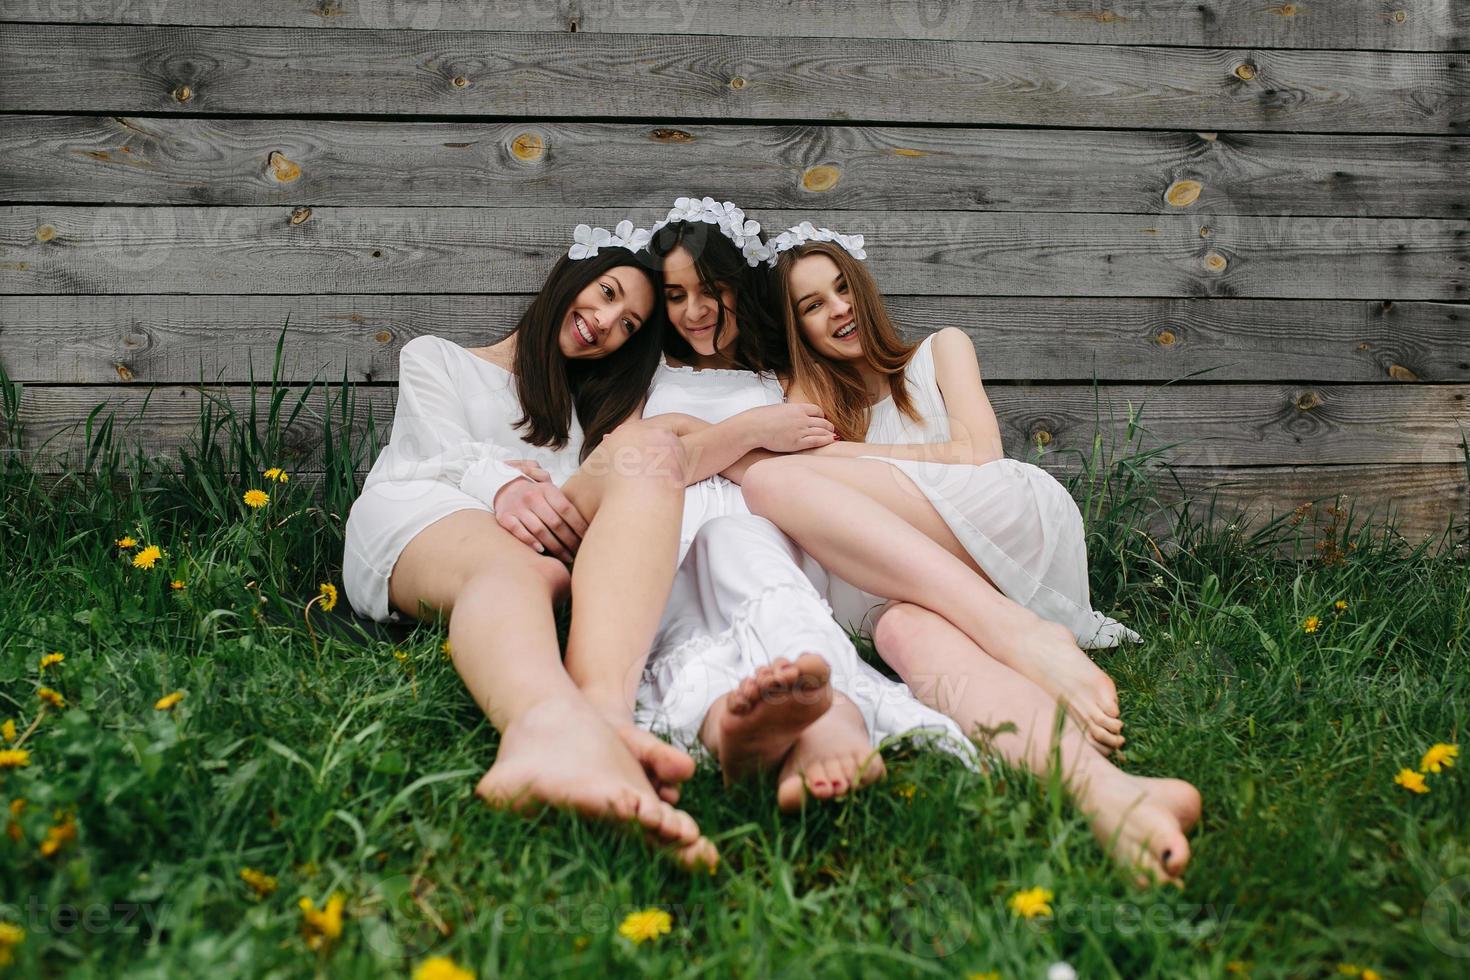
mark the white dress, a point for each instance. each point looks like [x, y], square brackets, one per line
[741, 597]
[453, 433]
[1019, 524]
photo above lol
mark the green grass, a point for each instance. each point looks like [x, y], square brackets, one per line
[319, 757]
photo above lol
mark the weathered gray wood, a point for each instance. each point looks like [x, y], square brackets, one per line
[163, 160]
[1212, 425]
[169, 69]
[175, 339]
[83, 249]
[1426, 24]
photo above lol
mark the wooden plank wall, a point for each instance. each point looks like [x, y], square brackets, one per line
[1249, 222]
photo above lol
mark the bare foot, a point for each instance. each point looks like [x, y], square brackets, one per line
[563, 753]
[834, 755]
[752, 728]
[1141, 822]
[1051, 658]
[665, 765]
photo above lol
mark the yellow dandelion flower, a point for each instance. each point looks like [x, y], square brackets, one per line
[51, 697]
[441, 968]
[256, 498]
[13, 830]
[7, 729]
[1411, 781]
[1369, 974]
[907, 790]
[1340, 605]
[641, 927]
[168, 701]
[1031, 902]
[987, 975]
[58, 836]
[277, 474]
[11, 936]
[14, 758]
[260, 882]
[321, 927]
[147, 557]
[400, 656]
[177, 584]
[125, 542]
[1439, 755]
[446, 649]
[1310, 624]
[328, 592]
[52, 659]
[17, 806]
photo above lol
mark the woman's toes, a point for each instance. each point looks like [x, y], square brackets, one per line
[701, 854]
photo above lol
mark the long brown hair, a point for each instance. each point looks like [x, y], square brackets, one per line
[604, 391]
[838, 386]
[718, 262]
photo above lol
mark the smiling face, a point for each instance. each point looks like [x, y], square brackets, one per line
[606, 312]
[821, 300]
[693, 310]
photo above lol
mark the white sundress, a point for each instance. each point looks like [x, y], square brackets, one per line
[453, 433]
[1019, 524]
[741, 597]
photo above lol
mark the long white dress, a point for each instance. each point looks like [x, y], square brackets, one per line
[1019, 524]
[452, 436]
[741, 598]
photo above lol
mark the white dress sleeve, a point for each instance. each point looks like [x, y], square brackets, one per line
[431, 438]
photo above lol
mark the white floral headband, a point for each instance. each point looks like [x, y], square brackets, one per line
[727, 217]
[730, 219]
[806, 232]
[587, 240]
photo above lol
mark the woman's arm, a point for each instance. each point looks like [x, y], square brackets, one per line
[974, 430]
[714, 448]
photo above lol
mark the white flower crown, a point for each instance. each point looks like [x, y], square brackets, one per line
[728, 218]
[587, 240]
[807, 232]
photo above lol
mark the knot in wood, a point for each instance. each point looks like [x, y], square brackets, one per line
[282, 168]
[1165, 338]
[1183, 193]
[671, 136]
[299, 215]
[183, 93]
[738, 82]
[528, 147]
[45, 233]
[123, 371]
[1400, 373]
[1215, 262]
[1042, 437]
[1308, 400]
[820, 178]
[382, 336]
[460, 81]
[1399, 16]
[1245, 71]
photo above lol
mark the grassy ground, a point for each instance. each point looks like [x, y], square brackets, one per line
[340, 758]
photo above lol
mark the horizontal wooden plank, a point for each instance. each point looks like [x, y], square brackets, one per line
[1206, 425]
[1421, 500]
[176, 339]
[1424, 25]
[85, 249]
[232, 161]
[119, 69]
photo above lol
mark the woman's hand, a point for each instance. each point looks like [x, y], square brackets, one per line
[791, 427]
[540, 516]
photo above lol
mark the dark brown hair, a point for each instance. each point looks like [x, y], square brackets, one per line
[837, 386]
[759, 345]
[604, 391]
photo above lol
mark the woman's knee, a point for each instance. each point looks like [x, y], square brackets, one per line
[766, 480]
[496, 579]
[643, 451]
[898, 626]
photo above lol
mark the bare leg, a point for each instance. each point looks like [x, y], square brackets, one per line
[1140, 821]
[555, 748]
[866, 522]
